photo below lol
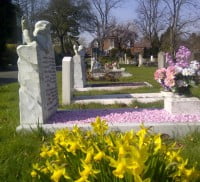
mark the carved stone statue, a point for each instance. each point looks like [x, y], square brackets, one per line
[75, 47]
[79, 67]
[42, 35]
[27, 38]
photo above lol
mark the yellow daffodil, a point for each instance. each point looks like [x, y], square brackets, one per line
[158, 143]
[99, 126]
[88, 170]
[82, 179]
[33, 173]
[99, 156]
[119, 165]
[131, 156]
[141, 134]
[89, 155]
[58, 173]
[44, 151]
[122, 151]
[120, 169]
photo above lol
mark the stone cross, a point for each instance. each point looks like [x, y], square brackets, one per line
[38, 98]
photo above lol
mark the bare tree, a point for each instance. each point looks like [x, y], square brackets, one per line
[102, 21]
[150, 15]
[180, 14]
[30, 8]
[125, 34]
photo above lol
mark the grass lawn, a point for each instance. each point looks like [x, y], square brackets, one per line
[19, 150]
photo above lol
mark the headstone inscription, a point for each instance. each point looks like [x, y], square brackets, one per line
[38, 98]
[79, 67]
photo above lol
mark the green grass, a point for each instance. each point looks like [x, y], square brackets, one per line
[134, 104]
[142, 74]
[19, 150]
[191, 147]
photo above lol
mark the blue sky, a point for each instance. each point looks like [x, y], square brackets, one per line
[126, 11]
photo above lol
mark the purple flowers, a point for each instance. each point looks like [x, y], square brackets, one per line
[181, 74]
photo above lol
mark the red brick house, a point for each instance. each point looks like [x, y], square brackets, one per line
[139, 47]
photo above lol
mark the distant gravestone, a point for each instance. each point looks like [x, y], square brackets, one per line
[92, 63]
[161, 60]
[38, 98]
[79, 67]
[152, 59]
[141, 61]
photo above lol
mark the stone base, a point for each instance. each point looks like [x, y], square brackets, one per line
[174, 130]
[182, 105]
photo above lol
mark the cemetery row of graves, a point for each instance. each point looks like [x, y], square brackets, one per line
[20, 150]
[96, 154]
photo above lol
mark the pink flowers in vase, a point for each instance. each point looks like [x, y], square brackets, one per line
[181, 74]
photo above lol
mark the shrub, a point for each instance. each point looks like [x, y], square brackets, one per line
[58, 54]
[11, 54]
[106, 59]
[100, 155]
[114, 52]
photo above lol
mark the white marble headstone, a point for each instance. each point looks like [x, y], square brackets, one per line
[38, 98]
[161, 60]
[141, 61]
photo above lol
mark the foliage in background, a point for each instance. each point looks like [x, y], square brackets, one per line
[107, 59]
[11, 53]
[79, 156]
[67, 18]
[7, 29]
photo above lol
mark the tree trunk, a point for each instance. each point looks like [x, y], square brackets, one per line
[62, 45]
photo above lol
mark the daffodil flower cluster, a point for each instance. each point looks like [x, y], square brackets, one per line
[107, 156]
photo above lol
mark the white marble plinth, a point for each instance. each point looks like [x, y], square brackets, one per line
[67, 80]
[182, 105]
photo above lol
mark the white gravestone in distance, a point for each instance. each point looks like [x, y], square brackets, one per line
[38, 98]
[79, 67]
[141, 61]
[161, 60]
[152, 59]
[92, 63]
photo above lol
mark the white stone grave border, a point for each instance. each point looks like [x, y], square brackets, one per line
[174, 130]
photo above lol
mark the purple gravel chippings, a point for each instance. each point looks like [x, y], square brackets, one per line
[121, 116]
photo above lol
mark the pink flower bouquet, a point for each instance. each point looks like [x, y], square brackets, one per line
[181, 74]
